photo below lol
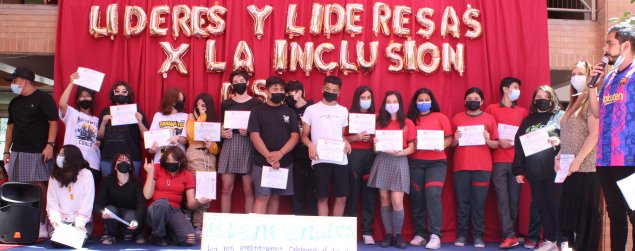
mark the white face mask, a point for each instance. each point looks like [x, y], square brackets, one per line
[578, 82]
[619, 59]
[514, 95]
[392, 108]
[59, 161]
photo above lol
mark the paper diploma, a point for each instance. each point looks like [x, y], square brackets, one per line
[507, 132]
[535, 141]
[123, 114]
[330, 150]
[114, 216]
[161, 136]
[565, 164]
[69, 236]
[274, 178]
[90, 79]
[361, 122]
[430, 140]
[471, 135]
[207, 131]
[627, 186]
[205, 185]
[389, 140]
[236, 119]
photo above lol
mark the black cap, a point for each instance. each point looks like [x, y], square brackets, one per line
[21, 72]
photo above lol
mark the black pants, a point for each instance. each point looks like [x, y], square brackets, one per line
[304, 201]
[426, 184]
[360, 161]
[546, 195]
[470, 189]
[580, 211]
[616, 206]
[535, 225]
[113, 227]
[169, 222]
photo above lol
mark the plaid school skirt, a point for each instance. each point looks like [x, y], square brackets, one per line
[28, 167]
[390, 173]
[235, 155]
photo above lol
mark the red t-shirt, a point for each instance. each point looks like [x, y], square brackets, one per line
[474, 158]
[432, 121]
[509, 116]
[171, 187]
[409, 131]
[360, 144]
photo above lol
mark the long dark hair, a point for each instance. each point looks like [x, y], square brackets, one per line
[210, 111]
[355, 107]
[385, 118]
[74, 162]
[413, 111]
[113, 168]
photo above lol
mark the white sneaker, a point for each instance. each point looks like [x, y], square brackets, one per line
[547, 246]
[368, 240]
[564, 246]
[44, 232]
[418, 241]
[434, 243]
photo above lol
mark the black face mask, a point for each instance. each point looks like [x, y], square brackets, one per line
[290, 101]
[179, 105]
[172, 167]
[473, 105]
[120, 99]
[239, 88]
[329, 96]
[124, 167]
[542, 104]
[277, 97]
[85, 104]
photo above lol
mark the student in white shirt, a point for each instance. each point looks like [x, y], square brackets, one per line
[71, 191]
[81, 124]
[326, 120]
[170, 117]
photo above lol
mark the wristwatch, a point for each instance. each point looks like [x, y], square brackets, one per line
[51, 143]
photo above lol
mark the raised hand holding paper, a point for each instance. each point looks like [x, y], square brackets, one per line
[90, 79]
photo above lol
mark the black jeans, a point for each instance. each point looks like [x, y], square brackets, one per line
[426, 184]
[616, 206]
[360, 161]
[546, 195]
[304, 201]
[535, 225]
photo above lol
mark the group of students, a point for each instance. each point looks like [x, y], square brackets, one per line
[284, 131]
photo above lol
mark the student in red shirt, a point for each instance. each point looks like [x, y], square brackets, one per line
[164, 188]
[472, 167]
[390, 168]
[427, 169]
[507, 113]
[359, 162]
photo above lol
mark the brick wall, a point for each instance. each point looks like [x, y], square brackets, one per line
[27, 29]
[573, 40]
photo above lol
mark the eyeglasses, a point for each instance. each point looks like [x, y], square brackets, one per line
[125, 92]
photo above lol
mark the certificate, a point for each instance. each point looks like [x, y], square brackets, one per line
[565, 163]
[627, 186]
[507, 132]
[472, 135]
[274, 178]
[69, 236]
[123, 114]
[430, 140]
[90, 79]
[236, 119]
[205, 185]
[206, 131]
[330, 150]
[160, 136]
[361, 122]
[114, 216]
[535, 141]
[389, 140]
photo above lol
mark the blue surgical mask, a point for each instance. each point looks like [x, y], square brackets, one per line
[514, 95]
[424, 106]
[365, 104]
[16, 89]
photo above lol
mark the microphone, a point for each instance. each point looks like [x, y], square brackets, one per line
[594, 80]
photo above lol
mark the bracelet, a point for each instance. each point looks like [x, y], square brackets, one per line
[7, 153]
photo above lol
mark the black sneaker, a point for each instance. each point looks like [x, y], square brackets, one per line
[399, 243]
[158, 241]
[387, 241]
